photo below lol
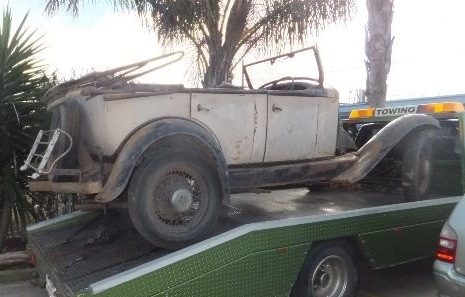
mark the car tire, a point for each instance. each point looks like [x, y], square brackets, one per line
[364, 134]
[417, 165]
[66, 117]
[174, 199]
[329, 270]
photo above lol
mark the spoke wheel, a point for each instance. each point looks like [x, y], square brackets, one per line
[174, 198]
[179, 200]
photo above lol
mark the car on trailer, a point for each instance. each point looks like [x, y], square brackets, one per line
[175, 154]
[282, 243]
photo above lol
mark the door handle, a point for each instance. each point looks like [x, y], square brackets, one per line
[276, 108]
[202, 108]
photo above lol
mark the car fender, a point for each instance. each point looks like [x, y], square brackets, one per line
[136, 145]
[370, 154]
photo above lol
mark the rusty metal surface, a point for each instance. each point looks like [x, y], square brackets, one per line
[289, 174]
[65, 187]
[369, 155]
[110, 78]
[145, 137]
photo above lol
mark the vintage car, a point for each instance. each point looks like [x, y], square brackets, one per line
[176, 153]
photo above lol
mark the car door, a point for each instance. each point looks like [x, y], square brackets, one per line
[238, 120]
[300, 127]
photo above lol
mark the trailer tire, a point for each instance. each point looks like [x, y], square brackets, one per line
[417, 165]
[329, 270]
[174, 198]
[66, 117]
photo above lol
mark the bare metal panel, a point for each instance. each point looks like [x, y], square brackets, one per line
[327, 127]
[109, 122]
[237, 120]
[293, 125]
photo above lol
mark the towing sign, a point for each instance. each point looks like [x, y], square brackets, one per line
[394, 111]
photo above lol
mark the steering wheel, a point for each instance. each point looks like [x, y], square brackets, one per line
[272, 84]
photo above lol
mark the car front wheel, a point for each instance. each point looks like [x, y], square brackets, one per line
[174, 199]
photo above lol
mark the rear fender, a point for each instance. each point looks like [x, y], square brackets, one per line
[369, 155]
[135, 147]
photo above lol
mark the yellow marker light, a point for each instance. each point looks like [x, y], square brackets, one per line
[441, 107]
[362, 113]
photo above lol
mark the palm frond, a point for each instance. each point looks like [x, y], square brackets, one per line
[22, 83]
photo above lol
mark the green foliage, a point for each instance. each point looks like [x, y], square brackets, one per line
[221, 32]
[22, 83]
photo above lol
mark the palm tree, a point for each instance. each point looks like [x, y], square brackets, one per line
[378, 49]
[222, 31]
[22, 82]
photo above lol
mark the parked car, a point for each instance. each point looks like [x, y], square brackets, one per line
[449, 267]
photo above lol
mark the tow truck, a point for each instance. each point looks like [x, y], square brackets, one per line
[198, 192]
[285, 242]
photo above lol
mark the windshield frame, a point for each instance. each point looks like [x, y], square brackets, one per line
[272, 60]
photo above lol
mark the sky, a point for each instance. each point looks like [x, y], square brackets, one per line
[428, 57]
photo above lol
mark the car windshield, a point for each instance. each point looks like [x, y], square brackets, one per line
[303, 63]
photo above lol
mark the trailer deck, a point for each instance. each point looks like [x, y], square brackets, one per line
[92, 252]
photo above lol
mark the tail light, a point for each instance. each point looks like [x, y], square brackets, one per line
[447, 245]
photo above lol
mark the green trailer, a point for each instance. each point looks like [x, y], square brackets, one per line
[288, 242]
[282, 243]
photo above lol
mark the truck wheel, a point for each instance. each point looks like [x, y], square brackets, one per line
[65, 117]
[417, 166]
[174, 199]
[330, 270]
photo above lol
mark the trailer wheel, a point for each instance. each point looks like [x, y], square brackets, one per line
[66, 117]
[174, 199]
[417, 166]
[330, 270]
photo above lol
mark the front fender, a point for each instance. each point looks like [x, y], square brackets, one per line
[369, 155]
[141, 140]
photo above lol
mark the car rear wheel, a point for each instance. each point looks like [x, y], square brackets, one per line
[174, 199]
[417, 166]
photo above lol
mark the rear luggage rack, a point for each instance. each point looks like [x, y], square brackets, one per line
[37, 159]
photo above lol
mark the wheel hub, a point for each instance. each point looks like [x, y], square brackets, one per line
[329, 278]
[324, 280]
[182, 200]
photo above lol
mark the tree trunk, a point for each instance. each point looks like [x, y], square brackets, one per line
[378, 49]
[218, 71]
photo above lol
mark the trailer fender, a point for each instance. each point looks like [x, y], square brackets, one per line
[370, 154]
[134, 148]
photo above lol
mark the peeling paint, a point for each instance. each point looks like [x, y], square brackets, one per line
[317, 130]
